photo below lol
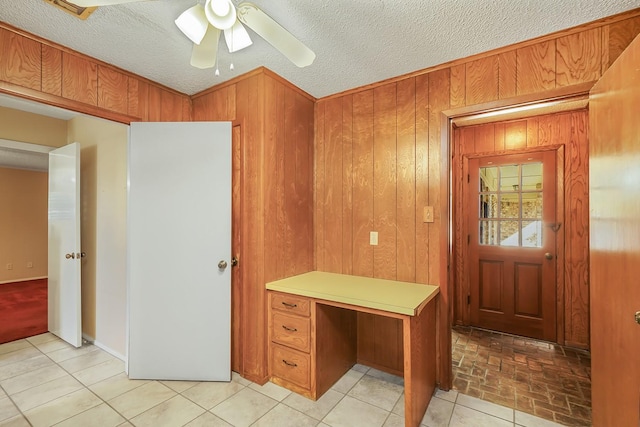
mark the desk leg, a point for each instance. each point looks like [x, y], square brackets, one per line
[419, 336]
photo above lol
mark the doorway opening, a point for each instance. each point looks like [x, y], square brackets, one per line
[549, 378]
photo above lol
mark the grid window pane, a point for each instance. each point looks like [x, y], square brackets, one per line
[488, 179]
[532, 234]
[532, 176]
[509, 233]
[510, 205]
[532, 205]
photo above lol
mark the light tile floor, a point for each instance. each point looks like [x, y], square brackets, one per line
[45, 382]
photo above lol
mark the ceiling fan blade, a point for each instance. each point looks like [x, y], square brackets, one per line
[250, 15]
[193, 23]
[204, 55]
[237, 37]
[93, 3]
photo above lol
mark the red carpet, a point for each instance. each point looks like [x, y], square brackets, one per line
[23, 309]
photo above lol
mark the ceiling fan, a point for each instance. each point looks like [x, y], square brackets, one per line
[204, 24]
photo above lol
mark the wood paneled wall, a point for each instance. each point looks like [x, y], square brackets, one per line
[377, 153]
[37, 69]
[566, 132]
[379, 156]
[276, 122]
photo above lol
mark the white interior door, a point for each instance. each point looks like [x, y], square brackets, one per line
[65, 316]
[179, 230]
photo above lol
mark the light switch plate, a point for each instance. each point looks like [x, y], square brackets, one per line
[427, 214]
[373, 238]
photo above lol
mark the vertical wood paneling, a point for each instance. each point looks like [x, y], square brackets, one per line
[500, 136]
[154, 103]
[219, 105]
[482, 80]
[406, 180]
[467, 142]
[305, 177]
[133, 97]
[362, 183]
[551, 131]
[507, 74]
[319, 188]
[170, 106]
[458, 86]
[20, 61]
[186, 109]
[292, 187]
[438, 101]
[423, 109]
[236, 250]
[279, 239]
[385, 181]
[621, 34]
[250, 99]
[484, 139]
[536, 66]
[388, 343]
[532, 132]
[578, 58]
[333, 186]
[51, 70]
[464, 140]
[347, 184]
[112, 90]
[79, 79]
[273, 230]
[515, 135]
[366, 338]
[143, 100]
[577, 242]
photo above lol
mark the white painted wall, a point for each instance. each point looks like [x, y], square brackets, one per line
[103, 160]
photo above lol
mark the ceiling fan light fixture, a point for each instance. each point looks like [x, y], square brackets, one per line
[193, 23]
[237, 37]
[220, 13]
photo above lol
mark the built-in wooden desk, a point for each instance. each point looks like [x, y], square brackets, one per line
[312, 332]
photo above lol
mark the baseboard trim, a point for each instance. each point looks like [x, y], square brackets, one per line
[22, 280]
[91, 340]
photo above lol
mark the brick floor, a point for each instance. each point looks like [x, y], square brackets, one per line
[537, 377]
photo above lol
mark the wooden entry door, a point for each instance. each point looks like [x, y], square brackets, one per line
[511, 205]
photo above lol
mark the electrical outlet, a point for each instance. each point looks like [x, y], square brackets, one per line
[29, 264]
[373, 238]
[427, 214]
[9, 266]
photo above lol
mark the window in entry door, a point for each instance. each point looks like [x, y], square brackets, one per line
[510, 205]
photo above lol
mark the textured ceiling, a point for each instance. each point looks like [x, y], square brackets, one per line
[357, 42]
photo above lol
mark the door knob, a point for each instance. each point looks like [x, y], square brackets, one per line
[234, 261]
[71, 255]
[638, 317]
[548, 255]
[222, 265]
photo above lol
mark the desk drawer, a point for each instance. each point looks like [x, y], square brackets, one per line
[292, 331]
[290, 365]
[290, 303]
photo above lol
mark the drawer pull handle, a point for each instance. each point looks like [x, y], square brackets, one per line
[286, 328]
[289, 363]
[289, 305]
